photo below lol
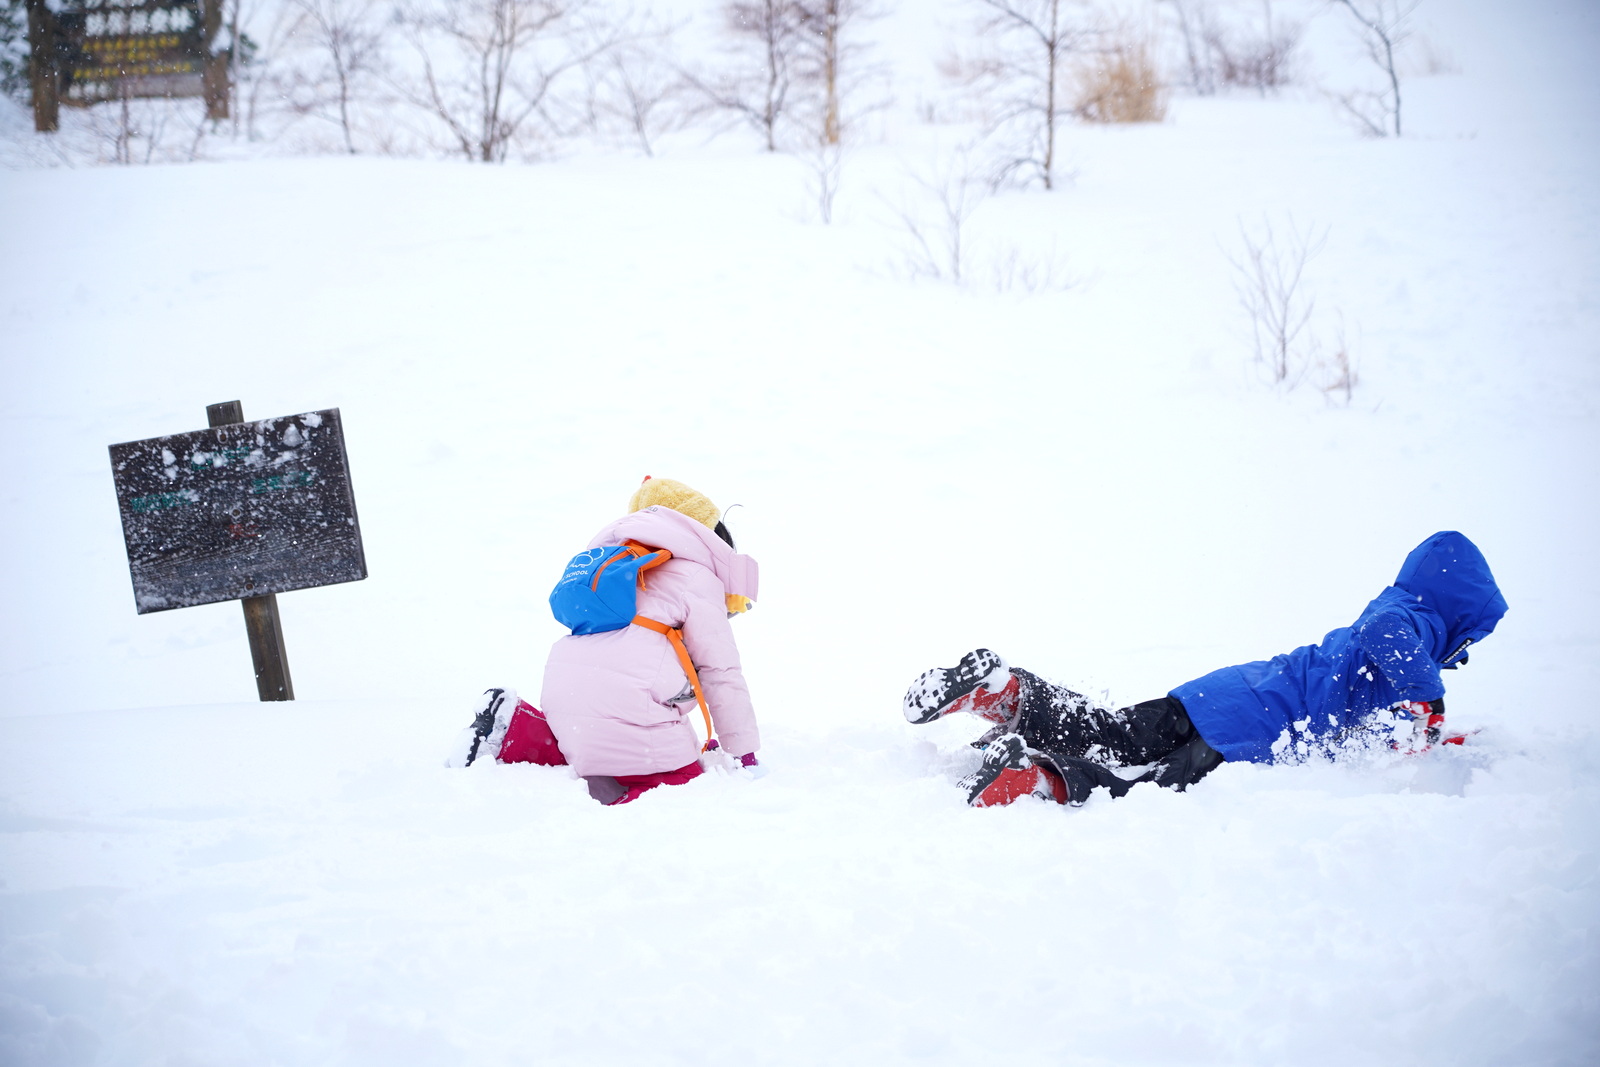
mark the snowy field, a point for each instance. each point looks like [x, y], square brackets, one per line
[1092, 480]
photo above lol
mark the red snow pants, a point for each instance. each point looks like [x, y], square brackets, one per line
[529, 739]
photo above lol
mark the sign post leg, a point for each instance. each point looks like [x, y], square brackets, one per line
[261, 621]
[266, 647]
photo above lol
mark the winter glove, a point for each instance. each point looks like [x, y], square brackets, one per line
[1429, 715]
[748, 762]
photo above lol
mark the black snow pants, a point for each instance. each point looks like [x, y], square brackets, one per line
[1083, 742]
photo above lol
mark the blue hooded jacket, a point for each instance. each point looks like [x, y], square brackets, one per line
[1443, 601]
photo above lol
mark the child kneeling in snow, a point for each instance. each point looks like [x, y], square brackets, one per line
[1053, 743]
[616, 703]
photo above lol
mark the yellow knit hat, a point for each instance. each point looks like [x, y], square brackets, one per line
[677, 496]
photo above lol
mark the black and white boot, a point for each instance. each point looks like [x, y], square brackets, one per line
[940, 691]
[1008, 774]
[488, 729]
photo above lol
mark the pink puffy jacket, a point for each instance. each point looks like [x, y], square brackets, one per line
[619, 702]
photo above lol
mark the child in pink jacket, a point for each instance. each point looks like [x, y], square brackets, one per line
[618, 706]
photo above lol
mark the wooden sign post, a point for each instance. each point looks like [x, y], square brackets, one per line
[261, 621]
[242, 511]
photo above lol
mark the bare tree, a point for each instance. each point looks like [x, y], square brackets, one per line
[1384, 27]
[1194, 27]
[348, 38]
[1032, 40]
[832, 60]
[766, 38]
[488, 66]
[258, 41]
[823, 20]
[795, 63]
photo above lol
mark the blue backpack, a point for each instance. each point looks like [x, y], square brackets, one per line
[599, 589]
[599, 592]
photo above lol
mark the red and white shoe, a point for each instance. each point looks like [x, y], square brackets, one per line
[980, 683]
[1008, 775]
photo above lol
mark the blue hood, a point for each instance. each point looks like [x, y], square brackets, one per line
[1449, 576]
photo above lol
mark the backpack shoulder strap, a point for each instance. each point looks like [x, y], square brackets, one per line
[633, 550]
[676, 637]
[657, 556]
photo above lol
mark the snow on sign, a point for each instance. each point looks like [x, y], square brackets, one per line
[238, 511]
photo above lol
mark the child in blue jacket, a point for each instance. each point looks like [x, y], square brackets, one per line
[1052, 742]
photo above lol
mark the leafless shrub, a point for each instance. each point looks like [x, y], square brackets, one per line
[1261, 57]
[1120, 83]
[1427, 58]
[142, 131]
[934, 220]
[1012, 270]
[1383, 27]
[825, 166]
[1269, 279]
[1337, 370]
[636, 86]
[1269, 270]
[936, 241]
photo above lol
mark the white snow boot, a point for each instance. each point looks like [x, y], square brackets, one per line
[488, 729]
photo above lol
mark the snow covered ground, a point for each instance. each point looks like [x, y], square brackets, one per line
[1092, 481]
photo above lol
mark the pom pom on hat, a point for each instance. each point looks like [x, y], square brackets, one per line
[677, 496]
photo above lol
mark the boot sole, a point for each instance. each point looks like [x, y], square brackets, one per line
[935, 690]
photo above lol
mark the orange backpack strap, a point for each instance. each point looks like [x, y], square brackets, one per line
[676, 637]
[658, 556]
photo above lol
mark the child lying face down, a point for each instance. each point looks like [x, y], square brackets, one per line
[1054, 743]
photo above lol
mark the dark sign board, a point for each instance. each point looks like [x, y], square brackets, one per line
[118, 48]
[240, 510]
